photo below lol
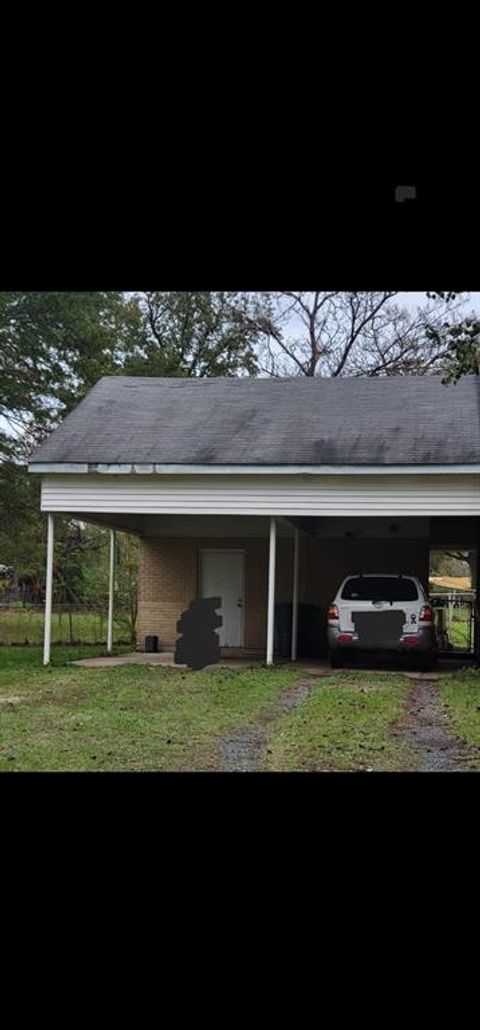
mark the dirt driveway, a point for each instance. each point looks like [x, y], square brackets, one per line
[425, 728]
[245, 751]
[423, 731]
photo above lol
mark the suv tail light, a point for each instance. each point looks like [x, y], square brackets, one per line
[332, 613]
[426, 613]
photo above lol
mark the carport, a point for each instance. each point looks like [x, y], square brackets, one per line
[273, 489]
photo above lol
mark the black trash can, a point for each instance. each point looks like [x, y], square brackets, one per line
[151, 644]
[282, 630]
[310, 631]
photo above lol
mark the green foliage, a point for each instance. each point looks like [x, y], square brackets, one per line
[457, 341]
[53, 348]
[95, 575]
[461, 346]
[22, 526]
[193, 334]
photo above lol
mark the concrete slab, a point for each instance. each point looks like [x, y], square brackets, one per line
[305, 666]
[133, 658]
[166, 658]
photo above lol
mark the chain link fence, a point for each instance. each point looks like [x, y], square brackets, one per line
[455, 620]
[71, 624]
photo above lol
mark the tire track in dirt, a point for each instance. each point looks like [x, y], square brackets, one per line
[426, 730]
[424, 727]
[245, 751]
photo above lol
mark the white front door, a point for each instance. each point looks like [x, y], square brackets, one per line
[222, 575]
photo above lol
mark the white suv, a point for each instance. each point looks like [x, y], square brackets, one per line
[381, 612]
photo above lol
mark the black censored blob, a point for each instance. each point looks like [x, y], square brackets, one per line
[376, 628]
[198, 645]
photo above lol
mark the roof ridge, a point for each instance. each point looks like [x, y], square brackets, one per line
[279, 379]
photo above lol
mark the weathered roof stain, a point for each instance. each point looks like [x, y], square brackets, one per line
[401, 420]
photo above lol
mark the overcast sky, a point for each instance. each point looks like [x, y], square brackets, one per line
[470, 303]
[413, 300]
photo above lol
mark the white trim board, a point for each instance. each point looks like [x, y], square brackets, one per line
[79, 468]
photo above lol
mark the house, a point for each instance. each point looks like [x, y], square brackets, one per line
[266, 492]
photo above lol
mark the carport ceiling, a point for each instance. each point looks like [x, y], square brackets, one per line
[364, 527]
[461, 531]
[188, 525]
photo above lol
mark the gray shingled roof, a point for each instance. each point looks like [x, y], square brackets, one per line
[384, 421]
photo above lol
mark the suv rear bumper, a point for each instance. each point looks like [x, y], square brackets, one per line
[424, 642]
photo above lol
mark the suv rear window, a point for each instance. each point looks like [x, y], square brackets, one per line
[380, 588]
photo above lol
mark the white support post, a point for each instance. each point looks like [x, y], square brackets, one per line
[47, 632]
[110, 592]
[296, 549]
[271, 590]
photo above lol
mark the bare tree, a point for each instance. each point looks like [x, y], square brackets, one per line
[336, 333]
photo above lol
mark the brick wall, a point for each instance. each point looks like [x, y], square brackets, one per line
[169, 573]
[169, 580]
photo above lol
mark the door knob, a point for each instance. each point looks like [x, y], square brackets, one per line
[239, 603]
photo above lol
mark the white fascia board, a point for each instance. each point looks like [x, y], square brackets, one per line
[260, 470]
[64, 467]
[311, 470]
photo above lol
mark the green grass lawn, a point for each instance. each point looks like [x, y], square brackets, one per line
[461, 694]
[343, 725]
[126, 718]
[458, 633]
[134, 718]
[25, 626]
